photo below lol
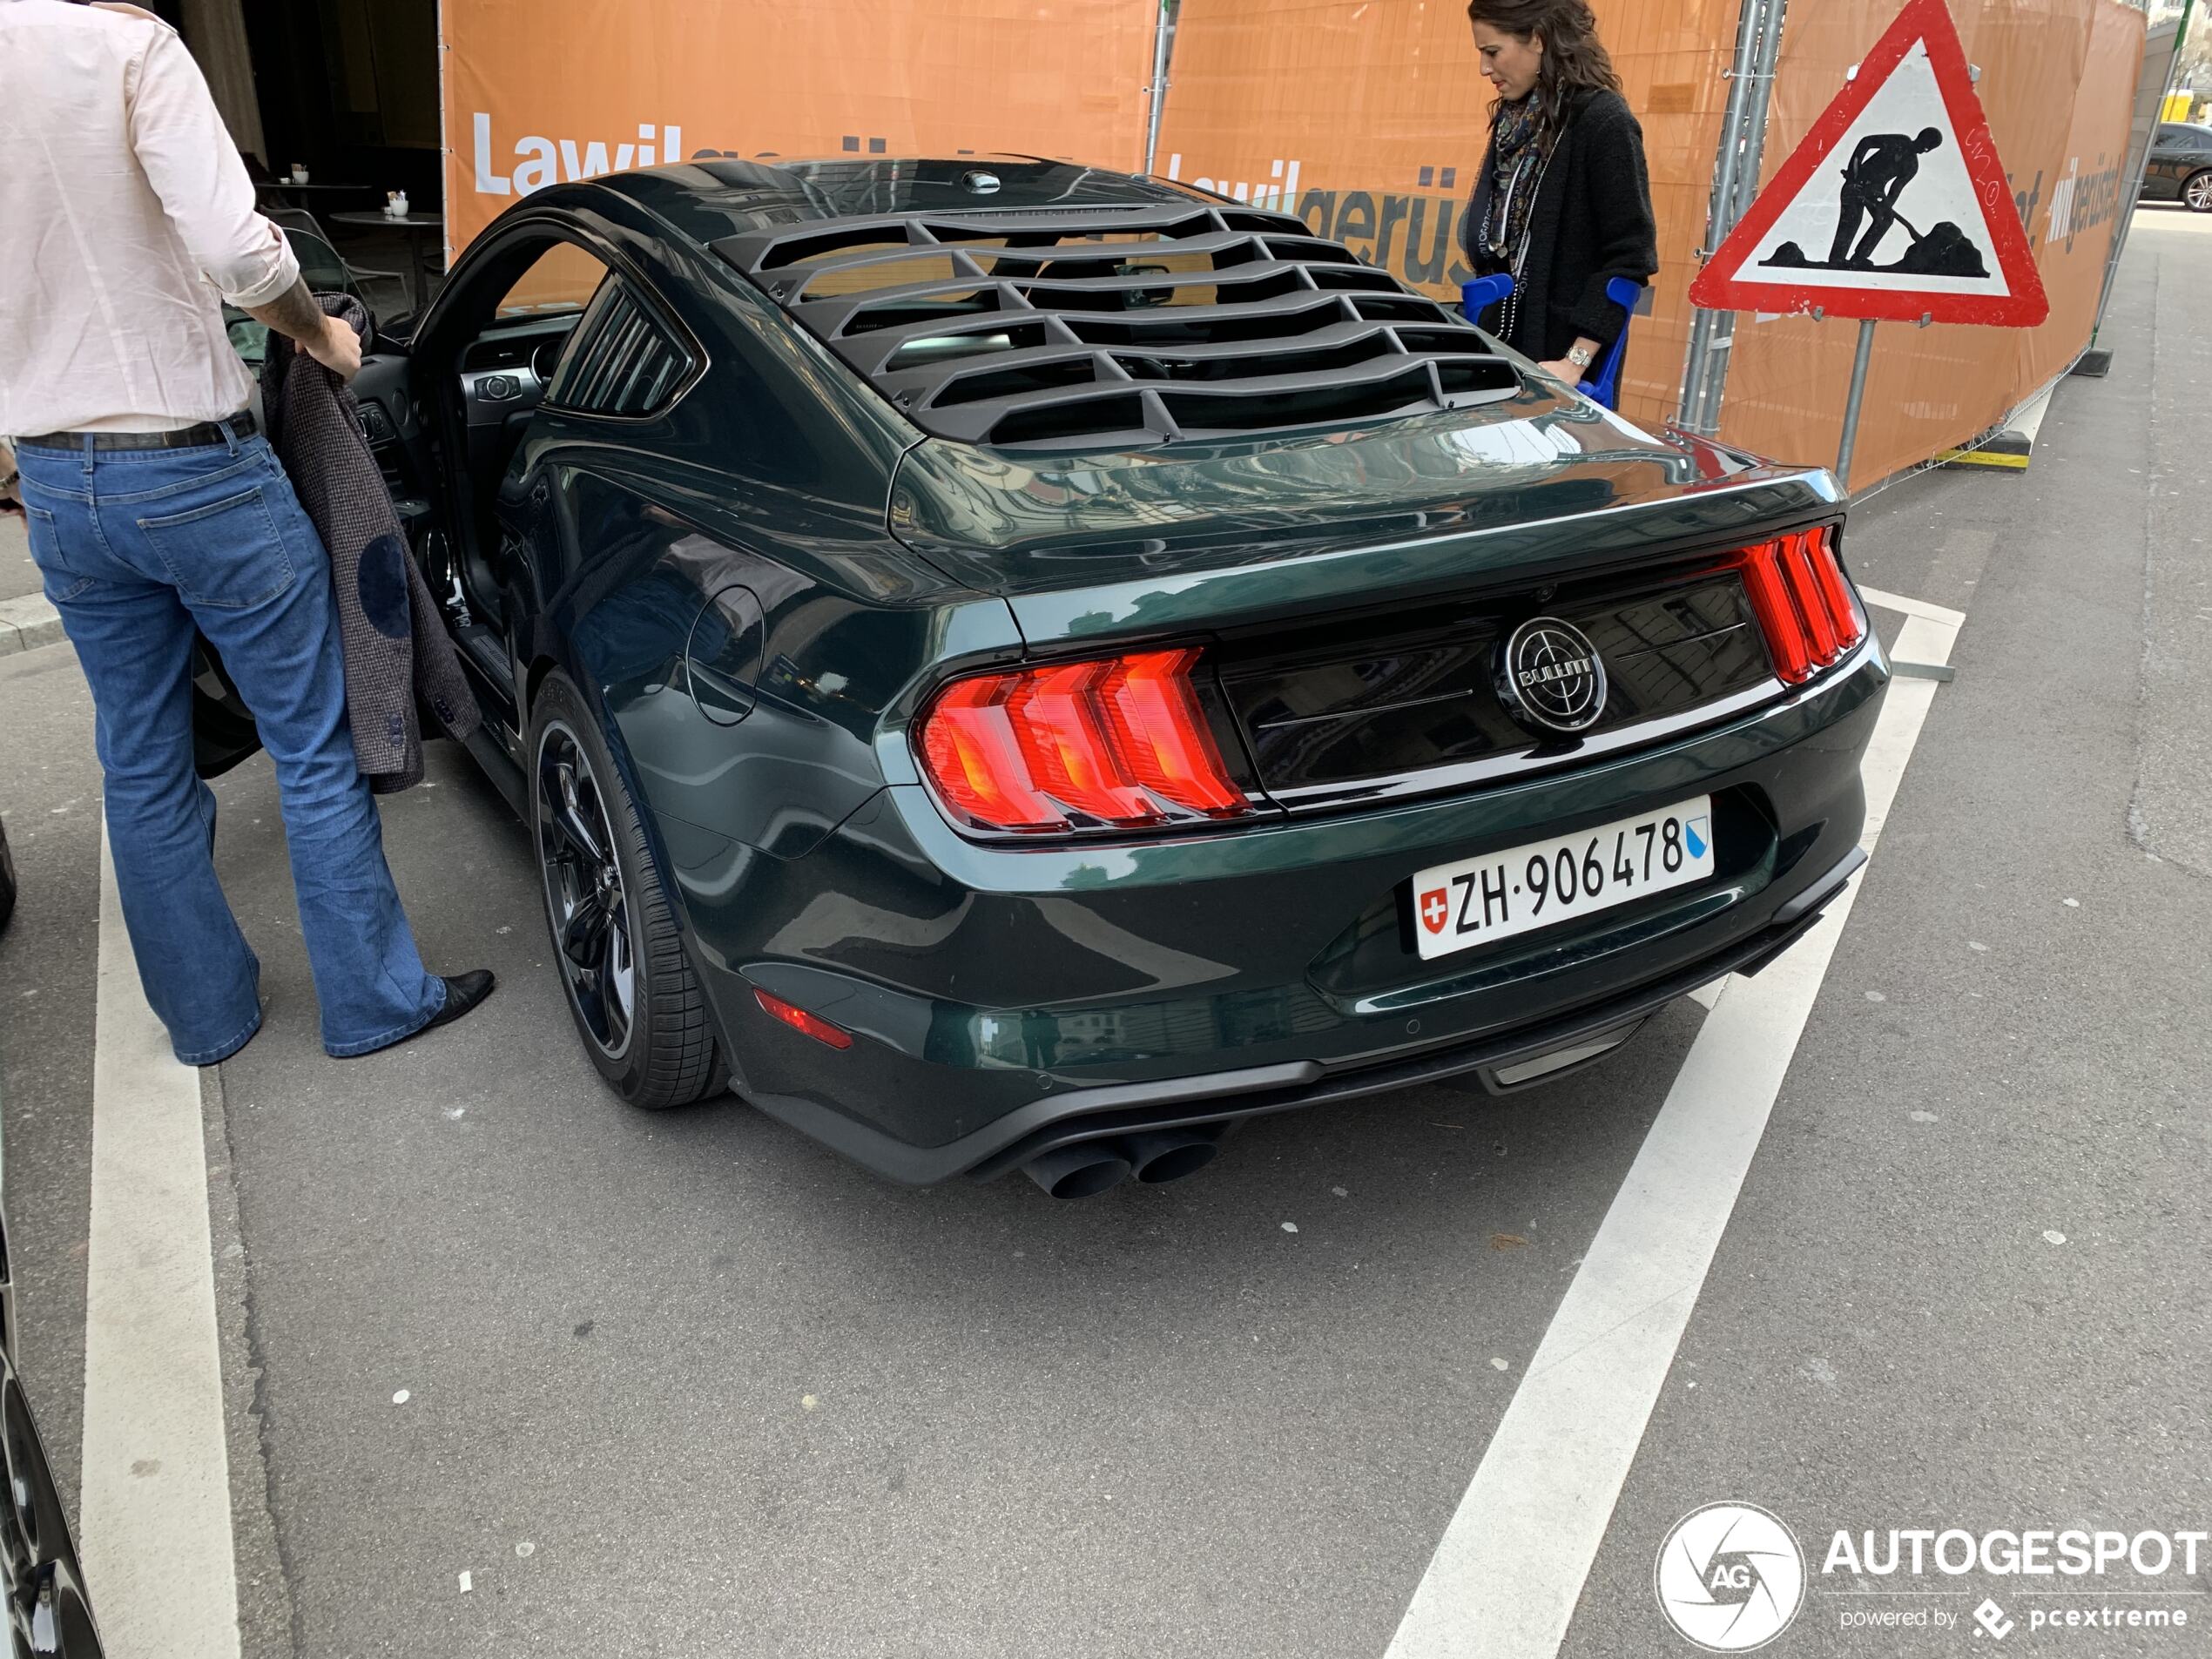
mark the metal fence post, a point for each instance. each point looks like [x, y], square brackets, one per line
[1855, 402]
[1163, 35]
[1735, 184]
[2095, 362]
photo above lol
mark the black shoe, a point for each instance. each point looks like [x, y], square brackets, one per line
[464, 993]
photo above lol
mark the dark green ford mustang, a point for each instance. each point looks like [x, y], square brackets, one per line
[1011, 665]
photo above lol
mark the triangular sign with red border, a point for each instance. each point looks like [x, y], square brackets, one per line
[1894, 206]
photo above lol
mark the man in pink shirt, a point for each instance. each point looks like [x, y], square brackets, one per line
[154, 506]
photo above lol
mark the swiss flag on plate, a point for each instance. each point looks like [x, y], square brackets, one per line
[1435, 909]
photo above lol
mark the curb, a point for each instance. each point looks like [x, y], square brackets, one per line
[28, 622]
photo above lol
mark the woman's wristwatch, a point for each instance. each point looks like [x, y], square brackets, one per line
[1580, 356]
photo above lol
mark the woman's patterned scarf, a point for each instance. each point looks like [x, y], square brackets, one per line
[1519, 142]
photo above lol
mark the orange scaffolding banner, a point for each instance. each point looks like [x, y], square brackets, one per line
[542, 90]
[1368, 119]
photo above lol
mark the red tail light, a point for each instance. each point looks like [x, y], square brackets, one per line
[1804, 588]
[1806, 608]
[799, 1020]
[1842, 603]
[1115, 743]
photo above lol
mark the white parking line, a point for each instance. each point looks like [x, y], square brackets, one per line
[1505, 1579]
[155, 1514]
[1949, 618]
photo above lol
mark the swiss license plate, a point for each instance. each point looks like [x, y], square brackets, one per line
[1475, 900]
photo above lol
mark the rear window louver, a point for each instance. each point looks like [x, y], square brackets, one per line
[627, 365]
[1112, 327]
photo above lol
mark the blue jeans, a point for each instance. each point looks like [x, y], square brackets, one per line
[137, 546]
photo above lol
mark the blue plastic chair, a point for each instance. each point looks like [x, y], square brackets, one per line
[1480, 294]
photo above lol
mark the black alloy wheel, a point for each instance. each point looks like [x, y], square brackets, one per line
[61, 1618]
[583, 897]
[2197, 192]
[637, 1003]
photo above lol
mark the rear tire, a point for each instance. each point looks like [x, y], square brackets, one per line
[636, 1004]
[2196, 192]
[7, 878]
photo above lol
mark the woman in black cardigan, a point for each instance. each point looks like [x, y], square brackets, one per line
[1562, 202]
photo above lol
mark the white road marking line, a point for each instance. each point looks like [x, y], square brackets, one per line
[156, 1511]
[1943, 614]
[1506, 1577]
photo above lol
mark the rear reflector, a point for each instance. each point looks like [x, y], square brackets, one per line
[1805, 606]
[1114, 743]
[799, 1020]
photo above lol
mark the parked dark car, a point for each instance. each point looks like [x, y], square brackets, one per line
[2180, 166]
[1011, 665]
[47, 1610]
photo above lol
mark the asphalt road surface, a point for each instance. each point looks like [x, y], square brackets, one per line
[505, 1368]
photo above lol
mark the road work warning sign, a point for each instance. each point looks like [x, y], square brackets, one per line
[1894, 206]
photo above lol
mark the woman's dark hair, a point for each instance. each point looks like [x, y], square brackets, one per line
[1574, 59]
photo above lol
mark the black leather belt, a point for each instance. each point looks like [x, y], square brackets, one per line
[192, 437]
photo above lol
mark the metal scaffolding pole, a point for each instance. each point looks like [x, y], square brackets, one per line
[1163, 34]
[1855, 402]
[2095, 362]
[1735, 184]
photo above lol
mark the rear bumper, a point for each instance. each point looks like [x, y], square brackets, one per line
[1009, 1000]
[1035, 1128]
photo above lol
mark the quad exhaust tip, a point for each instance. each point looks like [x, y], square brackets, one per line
[1088, 1168]
[1082, 1170]
[1172, 1154]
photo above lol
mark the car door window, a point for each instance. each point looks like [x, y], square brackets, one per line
[562, 278]
[505, 368]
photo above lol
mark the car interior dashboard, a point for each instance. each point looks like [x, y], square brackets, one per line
[504, 370]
